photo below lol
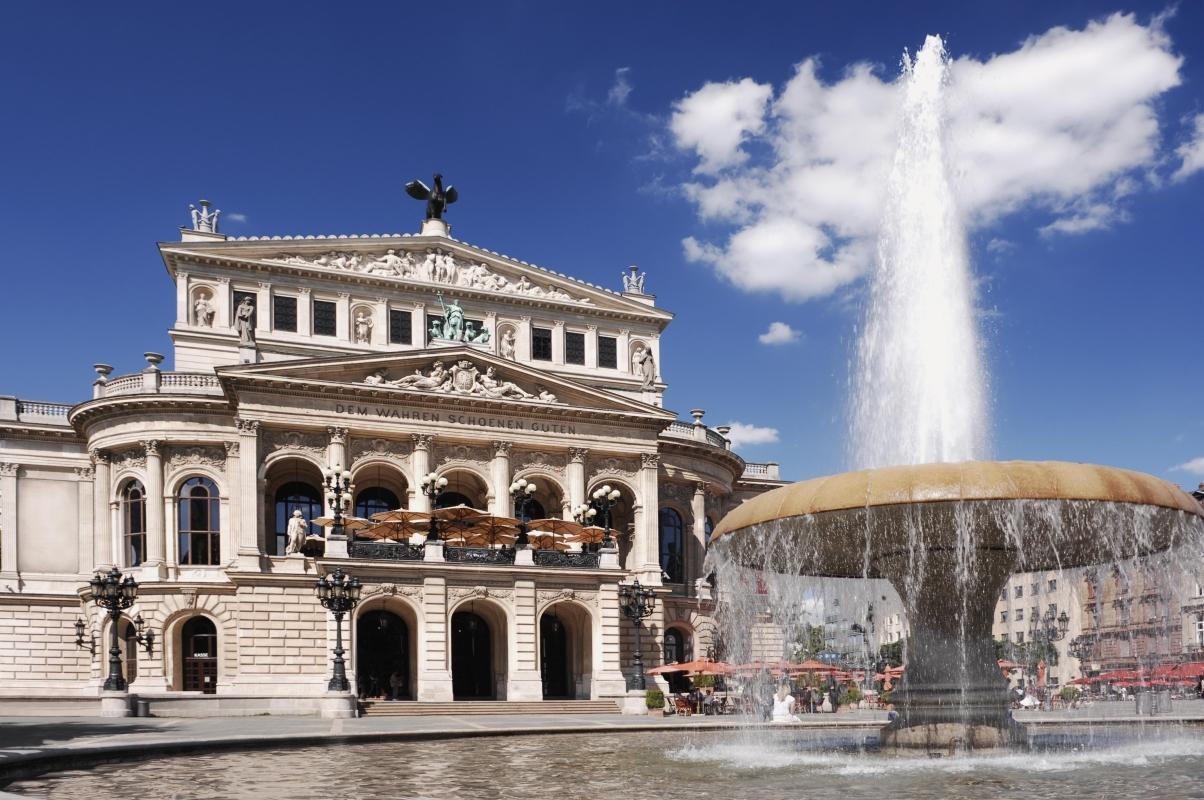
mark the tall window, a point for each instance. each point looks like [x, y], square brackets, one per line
[608, 352]
[284, 313]
[133, 522]
[672, 562]
[401, 327]
[296, 496]
[199, 530]
[533, 510]
[374, 500]
[574, 348]
[541, 344]
[325, 316]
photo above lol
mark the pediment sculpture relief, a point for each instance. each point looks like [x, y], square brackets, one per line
[464, 378]
[434, 265]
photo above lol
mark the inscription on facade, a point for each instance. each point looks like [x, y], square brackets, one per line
[453, 418]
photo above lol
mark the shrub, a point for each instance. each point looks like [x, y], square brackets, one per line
[704, 681]
[1069, 693]
[849, 696]
[654, 699]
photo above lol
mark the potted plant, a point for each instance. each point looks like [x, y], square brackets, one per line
[848, 698]
[655, 700]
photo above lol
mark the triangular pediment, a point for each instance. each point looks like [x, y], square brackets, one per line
[460, 374]
[416, 263]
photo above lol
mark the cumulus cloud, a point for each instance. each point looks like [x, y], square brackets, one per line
[1065, 123]
[1193, 467]
[235, 216]
[617, 96]
[1191, 152]
[743, 435]
[779, 333]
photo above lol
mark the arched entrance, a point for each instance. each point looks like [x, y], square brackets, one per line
[554, 658]
[127, 643]
[676, 650]
[472, 657]
[382, 663]
[566, 652]
[198, 641]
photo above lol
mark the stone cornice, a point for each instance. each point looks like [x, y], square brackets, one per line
[90, 411]
[704, 452]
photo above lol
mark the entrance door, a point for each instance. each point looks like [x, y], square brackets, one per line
[200, 655]
[382, 661]
[554, 658]
[472, 657]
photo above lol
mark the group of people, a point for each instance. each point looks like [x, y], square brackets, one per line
[783, 706]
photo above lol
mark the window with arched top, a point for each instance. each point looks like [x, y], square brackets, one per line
[296, 496]
[532, 510]
[133, 522]
[449, 499]
[374, 500]
[200, 537]
[671, 546]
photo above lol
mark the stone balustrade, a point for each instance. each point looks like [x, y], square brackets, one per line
[768, 471]
[696, 432]
[161, 383]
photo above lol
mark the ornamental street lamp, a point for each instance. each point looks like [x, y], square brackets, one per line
[1049, 628]
[585, 513]
[604, 499]
[637, 603]
[432, 486]
[115, 594]
[338, 594]
[338, 496]
[520, 492]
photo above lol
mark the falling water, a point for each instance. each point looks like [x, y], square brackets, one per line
[919, 392]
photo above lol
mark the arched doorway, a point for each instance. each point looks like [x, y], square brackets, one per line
[554, 658]
[198, 641]
[127, 643]
[472, 657]
[676, 650]
[382, 663]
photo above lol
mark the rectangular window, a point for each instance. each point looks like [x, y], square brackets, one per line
[608, 352]
[284, 313]
[325, 318]
[1020, 615]
[1053, 609]
[1019, 591]
[1032, 613]
[1053, 585]
[1036, 588]
[1019, 637]
[401, 327]
[541, 344]
[574, 348]
[238, 298]
[1003, 616]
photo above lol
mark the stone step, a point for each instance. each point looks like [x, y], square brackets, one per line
[409, 708]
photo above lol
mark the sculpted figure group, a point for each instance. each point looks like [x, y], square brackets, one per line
[463, 377]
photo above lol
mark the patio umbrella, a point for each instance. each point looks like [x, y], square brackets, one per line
[494, 530]
[392, 531]
[701, 666]
[666, 669]
[547, 541]
[401, 515]
[1006, 665]
[558, 527]
[456, 513]
[592, 535]
[810, 665]
[349, 523]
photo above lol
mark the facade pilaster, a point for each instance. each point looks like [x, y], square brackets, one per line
[223, 298]
[103, 546]
[8, 520]
[522, 347]
[608, 664]
[418, 325]
[263, 308]
[420, 463]
[249, 547]
[231, 531]
[647, 533]
[434, 668]
[305, 312]
[524, 681]
[623, 350]
[558, 342]
[156, 533]
[86, 489]
[591, 346]
[499, 475]
[183, 315]
[575, 474]
[343, 317]
[336, 450]
[380, 322]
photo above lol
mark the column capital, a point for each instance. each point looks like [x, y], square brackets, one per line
[338, 435]
[502, 448]
[8, 469]
[247, 427]
[577, 455]
[231, 448]
[222, 279]
[99, 456]
[265, 285]
[525, 318]
[423, 441]
[700, 488]
[303, 290]
[344, 295]
[624, 331]
[86, 473]
[558, 323]
[650, 460]
[151, 446]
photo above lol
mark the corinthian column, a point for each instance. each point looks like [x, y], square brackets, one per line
[336, 451]
[248, 495]
[102, 521]
[420, 464]
[8, 519]
[499, 476]
[575, 474]
[156, 533]
[647, 545]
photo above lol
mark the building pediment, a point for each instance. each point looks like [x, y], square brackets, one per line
[439, 376]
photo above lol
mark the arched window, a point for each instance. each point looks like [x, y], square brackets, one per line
[533, 510]
[449, 499]
[133, 522]
[374, 500]
[296, 496]
[200, 539]
[675, 647]
[672, 561]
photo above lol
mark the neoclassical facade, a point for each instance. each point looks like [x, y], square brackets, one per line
[393, 356]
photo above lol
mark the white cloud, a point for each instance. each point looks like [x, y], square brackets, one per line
[779, 333]
[617, 96]
[1065, 123]
[1191, 152]
[234, 216]
[1194, 467]
[743, 435]
[1000, 247]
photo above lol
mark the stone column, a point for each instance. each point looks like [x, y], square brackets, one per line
[342, 317]
[231, 535]
[102, 522]
[575, 474]
[87, 510]
[8, 520]
[558, 342]
[647, 545]
[522, 347]
[420, 464]
[222, 298]
[305, 312]
[336, 451]
[249, 549]
[380, 327]
[499, 476]
[698, 510]
[523, 681]
[608, 665]
[263, 309]
[183, 312]
[418, 325]
[154, 568]
[591, 346]
[434, 650]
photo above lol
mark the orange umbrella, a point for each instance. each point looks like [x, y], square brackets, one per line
[401, 515]
[547, 541]
[591, 535]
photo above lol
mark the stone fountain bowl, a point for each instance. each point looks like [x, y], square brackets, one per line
[948, 536]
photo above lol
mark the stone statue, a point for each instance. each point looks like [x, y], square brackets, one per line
[203, 310]
[203, 219]
[482, 336]
[545, 395]
[296, 533]
[453, 320]
[244, 321]
[363, 327]
[634, 282]
[388, 264]
[437, 199]
[376, 378]
[434, 380]
[507, 346]
[643, 364]
[436, 331]
[492, 387]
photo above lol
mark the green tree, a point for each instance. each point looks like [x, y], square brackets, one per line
[810, 639]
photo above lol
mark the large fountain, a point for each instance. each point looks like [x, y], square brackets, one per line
[946, 528]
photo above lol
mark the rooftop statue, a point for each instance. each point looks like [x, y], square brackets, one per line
[203, 219]
[634, 282]
[437, 199]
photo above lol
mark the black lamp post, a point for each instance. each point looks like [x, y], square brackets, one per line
[585, 513]
[637, 603]
[432, 486]
[604, 500]
[338, 496]
[115, 594]
[520, 492]
[338, 594]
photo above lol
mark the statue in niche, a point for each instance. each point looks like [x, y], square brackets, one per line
[507, 344]
[634, 282]
[644, 365]
[203, 219]
[244, 321]
[437, 199]
[453, 320]
[363, 327]
[203, 310]
[492, 387]
[296, 533]
[434, 380]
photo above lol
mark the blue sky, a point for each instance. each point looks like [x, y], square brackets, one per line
[586, 139]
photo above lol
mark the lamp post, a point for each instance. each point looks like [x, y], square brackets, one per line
[584, 513]
[520, 492]
[432, 486]
[115, 594]
[637, 603]
[338, 594]
[338, 496]
[604, 499]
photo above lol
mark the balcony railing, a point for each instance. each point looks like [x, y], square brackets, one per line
[155, 382]
[386, 551]
[44, 413]
[768, 471]
[502, 556]
[698, 433]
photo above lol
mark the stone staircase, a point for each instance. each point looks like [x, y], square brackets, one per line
[409, 708]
